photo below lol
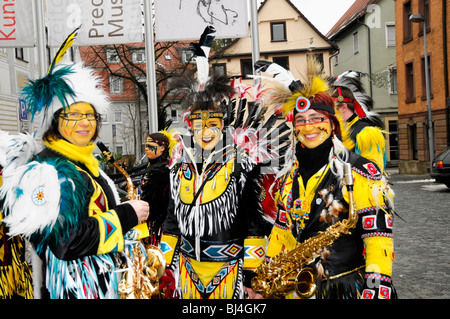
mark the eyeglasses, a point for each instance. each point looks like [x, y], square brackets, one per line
[75, 116]
[312, 120]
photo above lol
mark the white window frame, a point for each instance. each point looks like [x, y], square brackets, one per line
[113, 89]
[391, 70]
[186, 55]
[390, 42]
[355, 42]
[138, 56]
[117, 117]
[112, 56]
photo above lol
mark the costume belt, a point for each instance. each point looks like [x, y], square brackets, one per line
[218, 251]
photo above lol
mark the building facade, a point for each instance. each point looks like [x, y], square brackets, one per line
[413, 122]
[286, 37]
[365, 35]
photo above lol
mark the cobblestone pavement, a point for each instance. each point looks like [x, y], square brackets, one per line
[422, 255]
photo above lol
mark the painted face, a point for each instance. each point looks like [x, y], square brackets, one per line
[207, 133]
[152, 149]
[78, 123]
[312, 128]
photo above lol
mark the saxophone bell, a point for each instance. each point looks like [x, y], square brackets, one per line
[305, 283]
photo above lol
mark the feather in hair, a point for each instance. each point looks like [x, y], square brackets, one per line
[63, 49]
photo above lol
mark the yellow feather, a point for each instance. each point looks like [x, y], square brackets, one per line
[171, 137]
[63, 49]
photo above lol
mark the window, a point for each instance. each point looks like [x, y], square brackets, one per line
[119, 149]
[115, 85]
[278, 31]
[355, 42]
[105, 118]
[246, 68]
[20, 54]
[393, 140]
[390, 34]
[174, 115]
[393, 89]
[220, 68]
[424, 9]
[282, 60]
[112, 55]
[118, 117]
[409, 82]
[186, 55]
[424, 85]
[336, 59]
[407, 25]
[138, 56]
[413, 142]
[168, 57]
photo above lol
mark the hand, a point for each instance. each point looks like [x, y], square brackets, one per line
[141, 209]
[252, 294]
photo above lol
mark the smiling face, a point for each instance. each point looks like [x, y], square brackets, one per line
[207, 133]
[312, 128]
[78, 123]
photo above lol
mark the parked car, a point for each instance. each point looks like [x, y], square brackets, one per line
[441, 168]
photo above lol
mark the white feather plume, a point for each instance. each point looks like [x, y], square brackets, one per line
[16, 149]
[31, 195]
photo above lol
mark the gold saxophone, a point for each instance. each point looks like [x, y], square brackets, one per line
[288, 271]
[141, 280]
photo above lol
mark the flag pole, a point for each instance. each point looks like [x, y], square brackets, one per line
[255, 36]
[41, 49]
[150, 65]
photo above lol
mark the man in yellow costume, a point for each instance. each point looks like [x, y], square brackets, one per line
[313, 197]
[215, 229]
[362, 128]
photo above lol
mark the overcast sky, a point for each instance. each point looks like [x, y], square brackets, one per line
[323, 14]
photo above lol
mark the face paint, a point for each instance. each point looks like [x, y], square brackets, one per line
[207, 133]
[312, 135]
[78, 130]
[152, 149]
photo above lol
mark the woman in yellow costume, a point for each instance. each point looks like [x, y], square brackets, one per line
[312, 196]
[57, 197]
[362, 128]
[215, 229]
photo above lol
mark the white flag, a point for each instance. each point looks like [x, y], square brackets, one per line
[102, 22]
[16, 24]
[186, 19]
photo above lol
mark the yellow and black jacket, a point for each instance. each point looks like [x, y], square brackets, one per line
[215, 227]
[352, 262]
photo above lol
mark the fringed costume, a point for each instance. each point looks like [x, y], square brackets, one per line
[215, 229]
[15, 273]
[362, 132]
[58, 198]
[312, 197]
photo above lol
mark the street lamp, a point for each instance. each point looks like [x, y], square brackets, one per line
[417, 18]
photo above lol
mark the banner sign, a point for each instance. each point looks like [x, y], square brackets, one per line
[177, 20]
[103, 22]
[16, 24]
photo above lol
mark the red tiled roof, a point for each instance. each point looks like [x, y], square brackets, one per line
[356, 10]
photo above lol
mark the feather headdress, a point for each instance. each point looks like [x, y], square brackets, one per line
[63, 85]
[362, 102]
[290, 95]
[204, 90]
